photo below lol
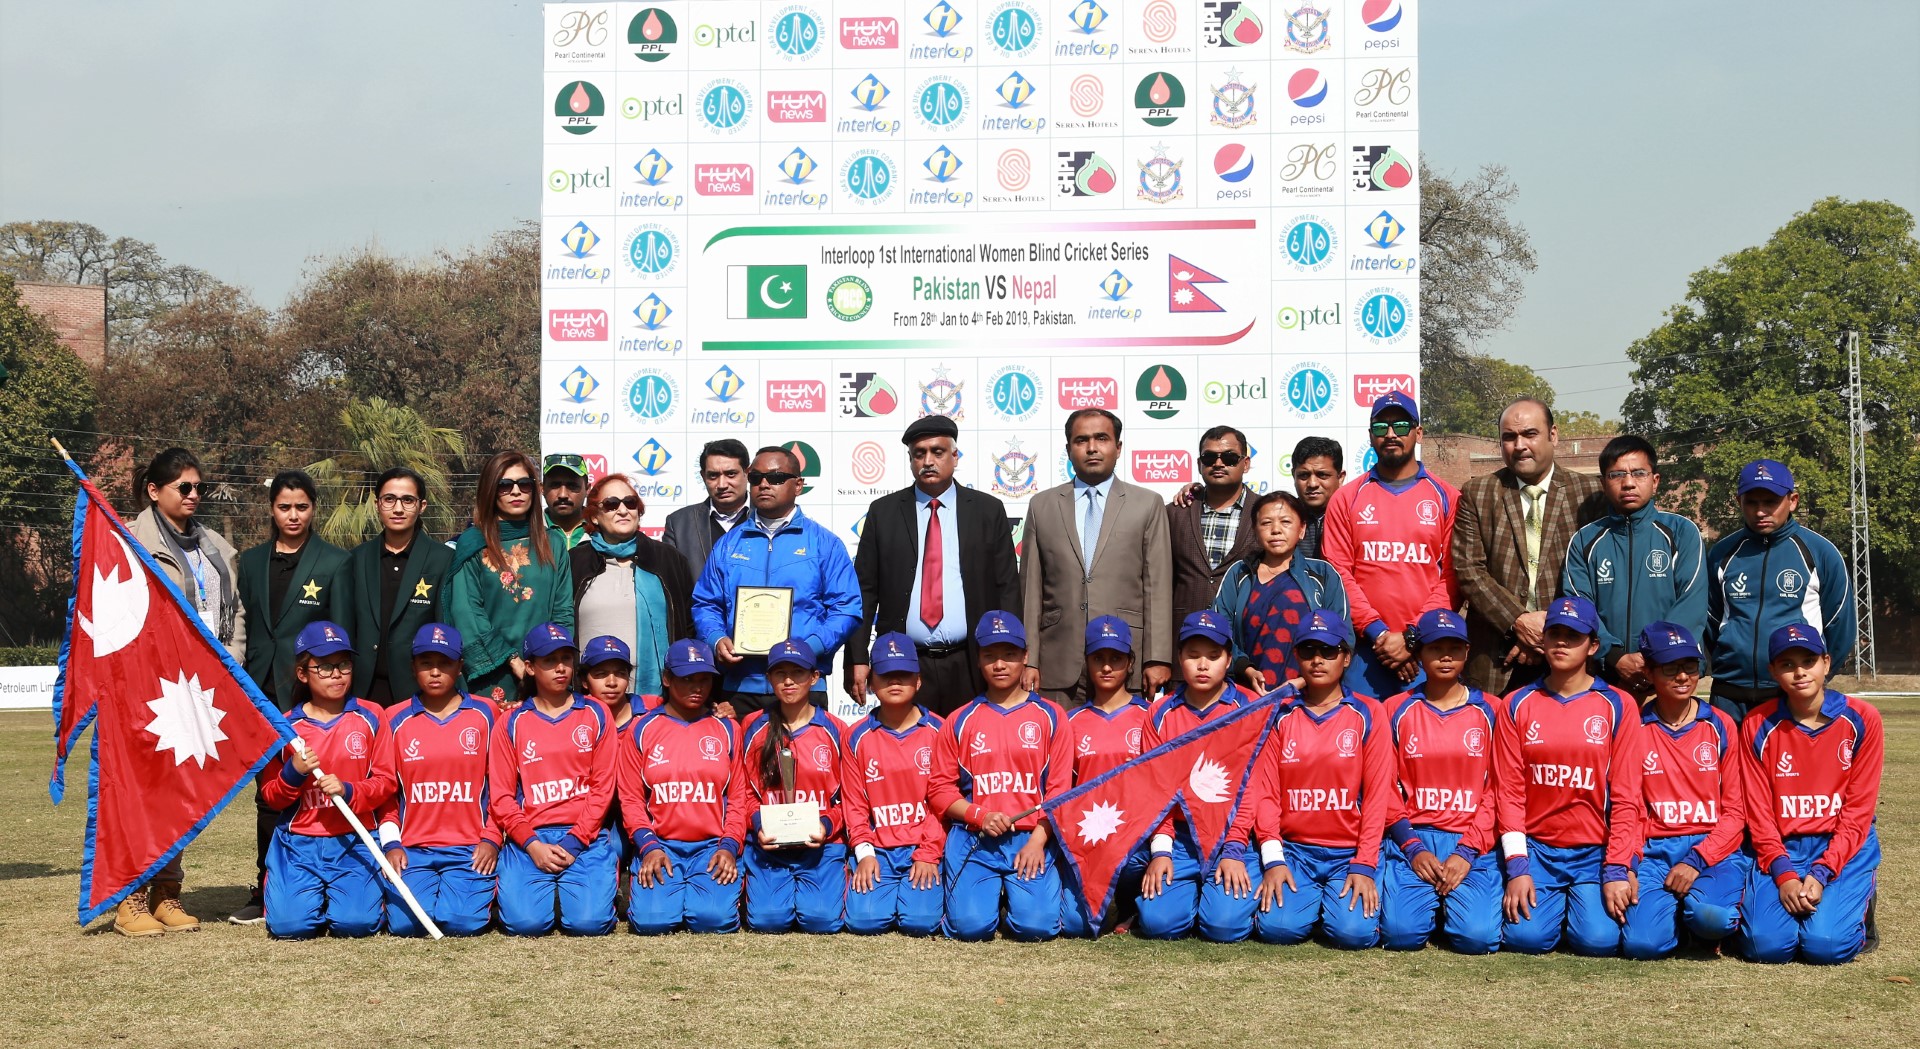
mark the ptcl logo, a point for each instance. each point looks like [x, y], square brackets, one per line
[1370, 388]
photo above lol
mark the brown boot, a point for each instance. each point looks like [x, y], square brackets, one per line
[133, 919]
[164, 898]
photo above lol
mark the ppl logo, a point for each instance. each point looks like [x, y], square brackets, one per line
[1307, 87]
[577, 325]
[1089, 392]
[796, 107]
[723, 180]
[796, 395]
[1163, 467]
[869, 34]
[1368, 388]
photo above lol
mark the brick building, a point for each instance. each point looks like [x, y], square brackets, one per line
[1457, 458]
[77, 313]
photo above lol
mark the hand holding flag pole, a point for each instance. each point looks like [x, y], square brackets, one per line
[359, 828]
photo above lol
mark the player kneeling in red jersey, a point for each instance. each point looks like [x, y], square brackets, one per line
[550, 779]
[1568, 769]
[1811, 763]
[1176, 893]
[1693, 871]
[791, 754]
[896, 834]
[1442, 737]
[1108, 731]
[320, 877]
[436, 830]
[1320, 793]
[997, 758]
[606, 669]
[676, 770]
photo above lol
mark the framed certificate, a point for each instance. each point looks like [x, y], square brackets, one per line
[762, 618]
[791, 824]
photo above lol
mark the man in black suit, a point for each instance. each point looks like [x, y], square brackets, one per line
[933, 559]
[693, 530]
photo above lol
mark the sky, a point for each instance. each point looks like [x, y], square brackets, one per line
[1647, 140]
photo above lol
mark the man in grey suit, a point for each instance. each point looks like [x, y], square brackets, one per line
[1095, 546]
[693, 530]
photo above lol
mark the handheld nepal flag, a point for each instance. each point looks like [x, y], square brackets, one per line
[178, 727]
[1099, 823]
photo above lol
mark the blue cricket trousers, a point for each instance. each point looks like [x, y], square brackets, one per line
[578, 900]
[688, 898]
[1467, 919]
[442, 878]
[1837, 928]
[1710, 910]
[796, 887]
[979, 874]
[320, 884]
[1195, 900]
[1567, 882]
[893, 902]
[1319, 873]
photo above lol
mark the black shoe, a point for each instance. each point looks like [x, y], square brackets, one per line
[1873, 927]
[252, 914]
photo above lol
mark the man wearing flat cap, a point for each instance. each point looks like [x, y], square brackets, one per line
[933, 559]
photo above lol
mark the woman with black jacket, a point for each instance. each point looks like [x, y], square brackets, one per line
[628, 584]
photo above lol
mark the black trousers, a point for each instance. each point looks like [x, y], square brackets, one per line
[949, 678]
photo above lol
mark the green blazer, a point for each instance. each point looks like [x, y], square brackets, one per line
[419, 601]
[271, 632]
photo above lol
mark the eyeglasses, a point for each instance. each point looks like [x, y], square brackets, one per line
[399, 500]
[612, 503]
[1397, 427]
[757, 478]
[1229, 458]
[1679, 668]
[187, 488]
[1306, 650]
[1639, 474]
[330, 669]
[524, 484]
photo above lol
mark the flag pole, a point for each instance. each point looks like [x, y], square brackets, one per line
[366, 839]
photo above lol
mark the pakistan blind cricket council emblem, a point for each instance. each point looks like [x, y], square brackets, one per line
[849, 298]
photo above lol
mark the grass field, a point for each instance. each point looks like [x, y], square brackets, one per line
[231, 986]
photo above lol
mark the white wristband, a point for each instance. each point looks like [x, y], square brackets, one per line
[863, 851]
[389, 834]
[1513, 843]
[1162, 845]
[1272, 852]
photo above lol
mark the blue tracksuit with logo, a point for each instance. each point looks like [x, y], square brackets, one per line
[1638, 568]
[803, 555]
[1761, 583]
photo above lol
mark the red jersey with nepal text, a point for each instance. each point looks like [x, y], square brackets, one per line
[355, 747]
[819, 747]
[1690, 779]
[1003, 759]
[1172, 717]
[1103, 741]
[1392, 548]
[889, 777]
[1324, 780]
[1568, 769]
[442, 795]
[1445, 763]
[552, 771]
[675, 777]
[1811, 781]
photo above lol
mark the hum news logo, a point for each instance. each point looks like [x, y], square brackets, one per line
[1163, 466]
[723, 180]
[577, 325]
[870, 34]
[796, 395]
[1089, 392]
[796, 107]
[1371, 387]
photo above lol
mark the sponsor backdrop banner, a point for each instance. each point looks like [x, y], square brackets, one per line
[807, 224]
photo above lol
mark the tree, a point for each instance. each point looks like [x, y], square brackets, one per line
[1474, 407]
[1586, 424]
[141, 285]
[1754, 364]
[383, 435]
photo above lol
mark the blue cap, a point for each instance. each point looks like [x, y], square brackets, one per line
[1439, 625]
[603, 649]
[689, 657]
[1208, 624]
[893, 653]
[1322, 626]
[1000, 628]
[1395, 399]
[438, 637]
[1769, 475]
[322, 639]
[1574, 612]
[792, 652]
[546, 639]
[1795, 635]
[1663, 642]
[1109, 634]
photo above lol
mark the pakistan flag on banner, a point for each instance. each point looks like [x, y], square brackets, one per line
[765, 292]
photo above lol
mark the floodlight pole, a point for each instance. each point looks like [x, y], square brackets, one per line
[1865, 663]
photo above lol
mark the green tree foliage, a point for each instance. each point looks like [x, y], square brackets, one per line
[1472, 402]
[141, 284]
[1754, 364]
[382, 436]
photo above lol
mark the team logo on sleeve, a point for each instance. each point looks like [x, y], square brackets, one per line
[1428, 511]
[1596, 729]
[1846, 753]
[1475, 740]
[1348, 743]
[1707, 756]
[357, 744]
[710, 748]
[470, 740]
[822, 757]
[1030, 736]
[583, 738]
[1133, 742]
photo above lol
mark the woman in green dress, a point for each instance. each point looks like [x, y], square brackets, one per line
[506, 578]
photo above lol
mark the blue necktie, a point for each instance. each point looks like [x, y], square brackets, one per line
[1090, 525]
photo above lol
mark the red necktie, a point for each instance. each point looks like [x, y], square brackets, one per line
[933, 605]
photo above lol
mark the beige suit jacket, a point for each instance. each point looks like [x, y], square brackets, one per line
[1131, 577]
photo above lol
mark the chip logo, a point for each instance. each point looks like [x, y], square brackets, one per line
[1371, 386]
[1162, 467]
[577, 325]
[869, 34]
[796, 107]
[1596, 729]
[1089, 392]
[723, 180]
[796, 395]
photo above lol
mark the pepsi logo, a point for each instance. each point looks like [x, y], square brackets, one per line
[1233, 162]
[1381, 16]
[1307, 87]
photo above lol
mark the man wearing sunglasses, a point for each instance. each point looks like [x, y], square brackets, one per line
[1389, 532]
[563, 480]
[1211, 532]
[777, 546]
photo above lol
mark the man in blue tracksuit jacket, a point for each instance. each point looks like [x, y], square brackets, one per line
[1637, 565]
[776, 546]
[1770, 574]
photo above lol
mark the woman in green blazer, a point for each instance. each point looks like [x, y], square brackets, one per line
[390, 587]
[507, 577]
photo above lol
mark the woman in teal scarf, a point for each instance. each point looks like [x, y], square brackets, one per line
[630, 585]
[506, 578]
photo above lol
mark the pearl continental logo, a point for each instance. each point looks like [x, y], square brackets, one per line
[1016, 474]
[652, 395]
